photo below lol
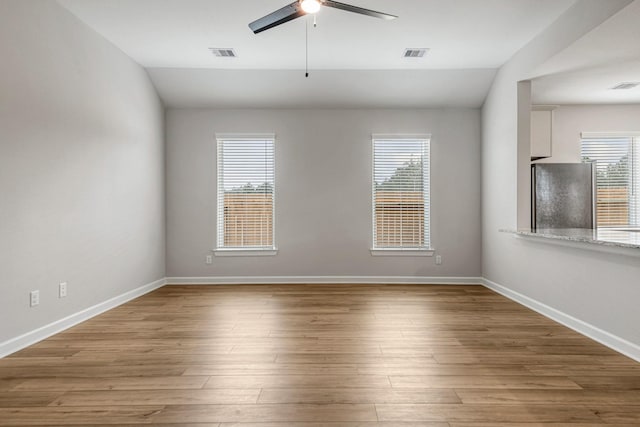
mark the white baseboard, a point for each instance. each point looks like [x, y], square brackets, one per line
[603, 337]
[281, 280]
[25, 340]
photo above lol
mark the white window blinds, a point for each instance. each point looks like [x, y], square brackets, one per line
[617, 159]
[245, 192]
[401, 193]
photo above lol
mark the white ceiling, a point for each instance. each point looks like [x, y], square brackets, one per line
[462, 34]
[585, 72]
[589, 86]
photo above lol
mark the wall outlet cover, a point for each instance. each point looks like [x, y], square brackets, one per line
[62, 290]
[34, 298]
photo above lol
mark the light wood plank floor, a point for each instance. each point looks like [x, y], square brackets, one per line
[320, 355]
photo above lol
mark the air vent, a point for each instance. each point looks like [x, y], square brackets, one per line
[414, 53]
[223, 52]
[626, 85]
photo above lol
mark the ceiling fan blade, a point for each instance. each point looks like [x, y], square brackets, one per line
[356, 9]
[280, 16]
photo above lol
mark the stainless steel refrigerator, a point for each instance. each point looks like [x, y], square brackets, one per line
[563, 195]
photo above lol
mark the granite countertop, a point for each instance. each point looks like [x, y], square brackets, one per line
[622, 237]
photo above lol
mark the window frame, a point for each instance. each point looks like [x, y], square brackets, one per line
[426, 250]
[243, 251]
[634, 175]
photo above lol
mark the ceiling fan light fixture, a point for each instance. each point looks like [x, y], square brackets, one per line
[310, 6]
[301, 8]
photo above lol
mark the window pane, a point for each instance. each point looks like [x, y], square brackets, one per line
[612, 156]
[245, 193]
[400, 194]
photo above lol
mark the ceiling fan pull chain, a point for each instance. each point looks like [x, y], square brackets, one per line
[306, 47]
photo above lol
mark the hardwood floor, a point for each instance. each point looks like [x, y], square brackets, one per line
[320, 355]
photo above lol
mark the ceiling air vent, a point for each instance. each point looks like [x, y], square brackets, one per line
[414, 53]
[223, 52]
[626, 85]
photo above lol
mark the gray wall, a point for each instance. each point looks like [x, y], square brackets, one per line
[569, 121]
[596, 287]
[323, 191]
[81, 168]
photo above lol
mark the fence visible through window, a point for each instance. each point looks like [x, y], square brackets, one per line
[248, 220]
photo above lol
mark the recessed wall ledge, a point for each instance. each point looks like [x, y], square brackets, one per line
[619, 240]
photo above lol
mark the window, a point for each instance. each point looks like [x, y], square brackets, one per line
[401, 193]
[617, 159]
[245, 193]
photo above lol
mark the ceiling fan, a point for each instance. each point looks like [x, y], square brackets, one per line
[302, 7]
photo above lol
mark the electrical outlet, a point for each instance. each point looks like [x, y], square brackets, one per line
[438, 259]
[209, 259]
[34, 298]
[62, 290]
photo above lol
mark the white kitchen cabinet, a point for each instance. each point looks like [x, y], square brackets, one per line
[541, 132]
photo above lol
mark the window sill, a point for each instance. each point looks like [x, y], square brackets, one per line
[245, 252]
[402, 252]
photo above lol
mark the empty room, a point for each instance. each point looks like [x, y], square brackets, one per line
[316, 213]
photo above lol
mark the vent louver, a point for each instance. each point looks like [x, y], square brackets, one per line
[223, 52]
[414, 53]
[626, 85]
